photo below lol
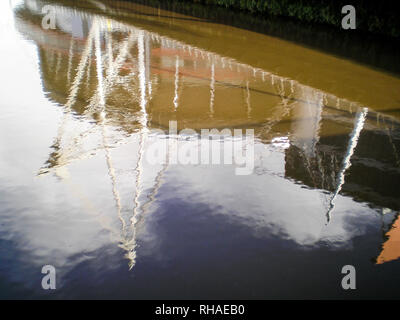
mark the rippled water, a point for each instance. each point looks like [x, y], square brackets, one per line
[81, 107]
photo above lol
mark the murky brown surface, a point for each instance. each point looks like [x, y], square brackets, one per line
[83, 104]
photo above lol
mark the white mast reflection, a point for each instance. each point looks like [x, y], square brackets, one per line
[176, 83]
[212, 89]
[99, 68]
[346, 163]
[70, 57]
[248, 99]
[142, 137]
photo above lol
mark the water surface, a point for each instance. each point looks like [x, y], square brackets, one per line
[81, 106]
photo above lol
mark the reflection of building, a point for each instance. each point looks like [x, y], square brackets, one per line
[374, 172]
[176, 71]
[120, 80]
[390, 249]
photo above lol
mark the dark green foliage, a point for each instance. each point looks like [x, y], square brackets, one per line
[373, 16]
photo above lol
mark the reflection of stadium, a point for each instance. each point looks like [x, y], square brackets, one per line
[122, 80]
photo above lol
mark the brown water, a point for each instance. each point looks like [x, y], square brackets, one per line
[82, 105]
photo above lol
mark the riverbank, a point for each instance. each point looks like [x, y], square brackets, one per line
[372, 17]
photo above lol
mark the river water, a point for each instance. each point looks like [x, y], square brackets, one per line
[86, 101]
